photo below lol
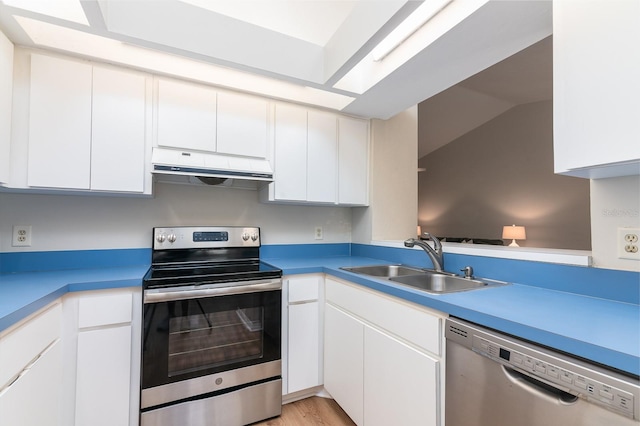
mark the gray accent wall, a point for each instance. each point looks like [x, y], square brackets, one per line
[501, 173]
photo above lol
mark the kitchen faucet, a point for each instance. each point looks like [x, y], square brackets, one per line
[435, 254]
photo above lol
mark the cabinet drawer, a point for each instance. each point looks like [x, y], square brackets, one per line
[400, 318]
[22, 345]
[303, 289]
[104, 309]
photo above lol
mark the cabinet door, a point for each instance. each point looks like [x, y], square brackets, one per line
[242, 125]
[353, 161]
[186, 116]
[103, 377]
[35, 398]
[290, 153]
[596, 95]
[6, 88]
[118, 131]
[304, 346]
[59, 123]
[400, 383]
[344, 361]
[322, 157]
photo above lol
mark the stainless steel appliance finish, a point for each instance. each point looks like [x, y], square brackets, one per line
[241, 407]
[211, 329]
[494, 379]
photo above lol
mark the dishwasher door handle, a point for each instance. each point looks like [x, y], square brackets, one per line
[538, 387]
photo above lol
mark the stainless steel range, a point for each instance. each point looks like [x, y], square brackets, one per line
[211, 329]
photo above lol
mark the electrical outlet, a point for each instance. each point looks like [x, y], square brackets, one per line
[318, 234]
[21, 236]
[628, 243]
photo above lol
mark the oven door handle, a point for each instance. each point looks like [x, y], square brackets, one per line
[199, 292]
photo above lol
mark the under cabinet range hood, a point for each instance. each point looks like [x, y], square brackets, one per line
[209, 168]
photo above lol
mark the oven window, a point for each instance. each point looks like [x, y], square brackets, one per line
[200, 341]
[190, 338]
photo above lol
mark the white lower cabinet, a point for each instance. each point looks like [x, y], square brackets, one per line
[31, 371]
[378, 365]
[400, 382]
[75, 362]
[103, 350]
[103, 377]
[344, 361]
[302, 331]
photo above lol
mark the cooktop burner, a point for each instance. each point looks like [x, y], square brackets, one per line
[184, 256]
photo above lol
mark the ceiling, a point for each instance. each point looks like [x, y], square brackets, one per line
[522, 78]
[316, 52]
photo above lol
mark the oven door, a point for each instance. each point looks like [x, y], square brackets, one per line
[201, 340]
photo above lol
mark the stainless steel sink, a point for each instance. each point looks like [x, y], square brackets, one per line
[438, 283]
[428, 280]
[384, 271]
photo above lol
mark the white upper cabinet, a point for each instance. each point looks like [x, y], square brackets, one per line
[290, 153]
[319, 158]
[118, 151]
[242, 125]
[87, 127]
[196, 117]
[6, 89]
[59, 123]
[322, 157]
[596, 95]
[186, 116]
[353, 161]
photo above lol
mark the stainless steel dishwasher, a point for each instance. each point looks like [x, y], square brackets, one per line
[496, 380]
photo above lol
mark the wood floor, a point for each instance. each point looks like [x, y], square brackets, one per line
[310, 411]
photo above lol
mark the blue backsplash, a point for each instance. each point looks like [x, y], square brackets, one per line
[37, 261]
[610, 284]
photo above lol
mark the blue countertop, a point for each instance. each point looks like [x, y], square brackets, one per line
[22, 294]
[601, 330]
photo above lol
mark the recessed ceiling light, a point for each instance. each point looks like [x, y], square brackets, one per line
[69, 10]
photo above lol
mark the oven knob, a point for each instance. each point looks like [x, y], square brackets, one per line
[245, 236]
[160, 238]
[254, 236]
[172, 238]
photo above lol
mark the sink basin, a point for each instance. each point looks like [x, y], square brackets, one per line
[438, 283]
[431, 281]
[384, 271]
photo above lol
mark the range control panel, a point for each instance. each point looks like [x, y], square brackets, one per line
[572, 379]
[188, 237]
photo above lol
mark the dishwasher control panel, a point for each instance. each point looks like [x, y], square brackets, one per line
[577, 383]
[595, 383]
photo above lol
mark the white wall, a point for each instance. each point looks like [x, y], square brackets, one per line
[615, 203]
[73, 222]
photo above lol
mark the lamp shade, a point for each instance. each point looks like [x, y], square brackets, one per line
[514, 233]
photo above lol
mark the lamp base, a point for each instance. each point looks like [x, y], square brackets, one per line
[513, 244]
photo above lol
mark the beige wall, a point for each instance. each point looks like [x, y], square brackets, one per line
[393, 202]
[615, 203]
[501, 173]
